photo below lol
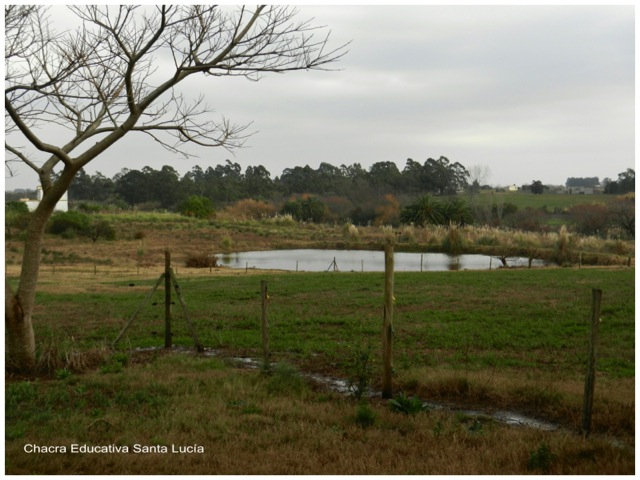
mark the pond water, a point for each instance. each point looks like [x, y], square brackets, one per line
[310, 260]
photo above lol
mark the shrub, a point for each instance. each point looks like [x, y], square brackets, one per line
[201, 260]
[562, 247]
[16, 216]
[101, 229]
[454, 242]
[590, 219]
[310, 209]
[89, 207]
[226, 243]
[249, 209]
[70, 224]
[16, 207]
[197, 206]
[351, 231]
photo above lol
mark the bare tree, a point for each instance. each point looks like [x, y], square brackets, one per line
[115, 74]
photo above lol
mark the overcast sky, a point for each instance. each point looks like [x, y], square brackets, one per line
[529, 92]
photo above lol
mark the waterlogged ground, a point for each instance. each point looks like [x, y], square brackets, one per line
[234, 421]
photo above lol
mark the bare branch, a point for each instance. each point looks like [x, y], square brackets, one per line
[21, 157]
[118, 71]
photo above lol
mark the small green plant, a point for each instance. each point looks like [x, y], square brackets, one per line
[360, 373]
[116, 363]
[285, 379]
[365, 416]
[61, 373]
[541, 459]
[121, 358]
[244, 407]
[438, 429]
[403, 404]
[111, 367]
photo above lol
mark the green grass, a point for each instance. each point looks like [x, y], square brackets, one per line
[549, 200]
[512, 339]
[246, 422]
[528, 319]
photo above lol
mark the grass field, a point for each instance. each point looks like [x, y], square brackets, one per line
[549, 200]
[495, 316]
[505, 339]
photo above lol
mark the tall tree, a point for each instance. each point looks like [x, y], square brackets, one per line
[626, 183]
[257, 182]
[118, 74]
[537, 188]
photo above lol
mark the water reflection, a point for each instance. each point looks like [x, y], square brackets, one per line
[315, 260]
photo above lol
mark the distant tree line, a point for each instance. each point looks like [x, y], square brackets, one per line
[227, 183]
[589, 182]
[420, 194]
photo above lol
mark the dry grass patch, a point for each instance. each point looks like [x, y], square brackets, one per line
[543, 396]
[250, 423]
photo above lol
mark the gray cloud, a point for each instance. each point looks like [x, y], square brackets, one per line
[533, 92]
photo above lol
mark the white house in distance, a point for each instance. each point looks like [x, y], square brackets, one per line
[61, 206]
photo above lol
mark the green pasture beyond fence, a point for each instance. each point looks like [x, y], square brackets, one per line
[509, 318]
[549, 200]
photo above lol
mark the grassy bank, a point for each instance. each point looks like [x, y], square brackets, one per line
[143, 237]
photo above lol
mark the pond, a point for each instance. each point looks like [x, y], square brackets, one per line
[317, 260]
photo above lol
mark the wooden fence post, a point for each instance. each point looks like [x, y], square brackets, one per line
[387, 331]
[589, 384]
[264, 293]
[167, 299]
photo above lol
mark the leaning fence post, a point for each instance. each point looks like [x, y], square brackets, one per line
[589, 384]
[264, 293]
[192, 328]
[167, 299]
[387, 333]
[135, 314]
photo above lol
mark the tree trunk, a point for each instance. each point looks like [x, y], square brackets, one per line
[19, 335]
[20, 341]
